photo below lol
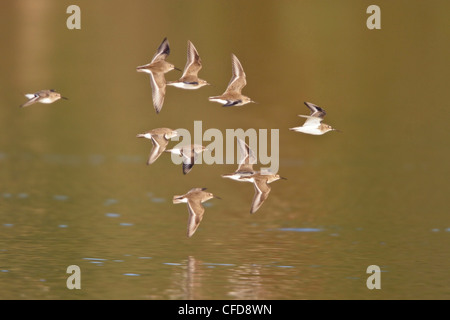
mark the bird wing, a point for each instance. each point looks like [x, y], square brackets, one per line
[311, 121]
[162, 52]
[316, 111]
[33, 98]
[238, 79]
[247, 158]
[196, 211]
[262, 190]
[188, 162]
[159, 145]
[190, 155]
[158, 83]
[193, 63]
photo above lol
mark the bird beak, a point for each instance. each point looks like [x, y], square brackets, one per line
[283, 178]
[64, 98]
[177, 69]
[218, 197]
[140, 135]
[254, 101]
[337, 130]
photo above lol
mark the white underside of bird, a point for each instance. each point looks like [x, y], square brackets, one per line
[183, 85]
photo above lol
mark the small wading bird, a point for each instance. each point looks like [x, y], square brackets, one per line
[260, 180]
[156, 69]
[232, 95]
[194, 199]
[190, 80]
[43, 96]
[262, 189]
[160, 139]
[189, 153]
[246, 162]
[313, 124]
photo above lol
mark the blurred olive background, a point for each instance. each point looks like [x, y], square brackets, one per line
[75, 189]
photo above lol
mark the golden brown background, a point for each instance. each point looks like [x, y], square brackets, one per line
[376, 194]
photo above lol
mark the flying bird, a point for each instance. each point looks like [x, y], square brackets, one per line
[194, 199]
[156, 69]
[189, 153]
[232, 95]
[42, 96]
[262, 189]
[313, 124]
[190, 80]
[246, 173]
[160, 139]
[245, 167]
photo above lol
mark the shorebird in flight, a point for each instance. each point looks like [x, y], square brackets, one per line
[156, 69]
[190, 80]
[313, 124]
[160, 139]
[189, 153]
[232, 95]
[262, 189]
[260, 180]
[194, 199]
[42, 96]
[245, 167]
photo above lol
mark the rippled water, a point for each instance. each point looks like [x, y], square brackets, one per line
[75, 189]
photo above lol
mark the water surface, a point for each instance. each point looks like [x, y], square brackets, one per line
[75, 189]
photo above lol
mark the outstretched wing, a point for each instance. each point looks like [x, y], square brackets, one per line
[158, 83]
[159, 145]
[196, 211]
[193, 63]
[238, 79]
[162, 52]
[311, 121]
[316, 111]
[247, 158]
[33, 98]
[262, 190]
